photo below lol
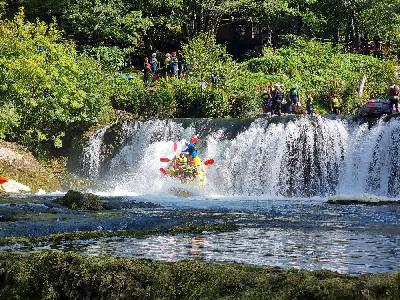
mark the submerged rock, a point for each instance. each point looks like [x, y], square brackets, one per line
[365, 199]
[78, 200]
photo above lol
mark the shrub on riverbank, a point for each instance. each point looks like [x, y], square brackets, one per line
[46, 88]
[322, 68]
[58, 275]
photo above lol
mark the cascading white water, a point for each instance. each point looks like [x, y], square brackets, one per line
[301, 158]
[92, 153]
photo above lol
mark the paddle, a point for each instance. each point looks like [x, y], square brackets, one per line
[163, 171]
[209, 162]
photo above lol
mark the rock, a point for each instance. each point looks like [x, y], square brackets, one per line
[18, 163]
[365, 199]
[78, 200]
[14, 187]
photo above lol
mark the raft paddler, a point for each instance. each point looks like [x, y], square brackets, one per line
[191, 148]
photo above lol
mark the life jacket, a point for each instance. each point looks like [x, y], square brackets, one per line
[196, 161]
[181, 160]
[174, 60]
[394, 90]
[147, 66]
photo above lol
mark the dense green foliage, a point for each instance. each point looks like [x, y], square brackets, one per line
[322, 69]
[57, 275]
[46, 87]
[63, 70]
[164, 24]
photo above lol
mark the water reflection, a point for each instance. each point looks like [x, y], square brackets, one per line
[342, 251]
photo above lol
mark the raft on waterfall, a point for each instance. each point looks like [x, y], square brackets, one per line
[186, 170]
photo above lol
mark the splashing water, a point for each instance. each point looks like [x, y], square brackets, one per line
[298, 157]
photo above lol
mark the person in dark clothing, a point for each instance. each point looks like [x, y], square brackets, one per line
[266, 97]
[394, 92]
[278, 97]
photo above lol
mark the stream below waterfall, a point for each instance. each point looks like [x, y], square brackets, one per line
[299, 233]
[271, 177]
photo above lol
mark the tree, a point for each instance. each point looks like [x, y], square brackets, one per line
[48, 88]
[206, 57]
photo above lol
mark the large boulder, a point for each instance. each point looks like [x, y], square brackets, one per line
[18, 164]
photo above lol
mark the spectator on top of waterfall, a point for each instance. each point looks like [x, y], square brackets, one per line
[174, 64]
[278, 98]
[310, 105]
[154, 63]
[294, 96]
[167, 64]
[335, 104]
[146, 70]
[214, 79]
[266, 97]
[394, 92]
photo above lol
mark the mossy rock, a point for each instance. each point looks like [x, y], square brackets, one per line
[78, 200]
[65, 275]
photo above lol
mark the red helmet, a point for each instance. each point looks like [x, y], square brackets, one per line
[194, 139]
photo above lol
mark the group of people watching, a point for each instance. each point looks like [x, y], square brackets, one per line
[169, 66]
[274, 98]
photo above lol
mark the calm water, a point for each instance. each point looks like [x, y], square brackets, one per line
[302, 233]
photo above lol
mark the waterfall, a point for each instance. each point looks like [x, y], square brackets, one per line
[92, 157]
[292, 157]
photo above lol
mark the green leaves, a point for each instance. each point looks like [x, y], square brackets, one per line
[322, 68]
[47, 88]
[206, 57]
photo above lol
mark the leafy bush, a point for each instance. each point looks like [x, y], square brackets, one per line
[9, 119]
[196, 101]
[49, 87]
[206, 57]
[322, 68]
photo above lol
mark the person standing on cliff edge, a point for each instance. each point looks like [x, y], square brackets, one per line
[394, 92]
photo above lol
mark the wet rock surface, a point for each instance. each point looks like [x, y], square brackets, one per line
[362, 202]
[78, 200]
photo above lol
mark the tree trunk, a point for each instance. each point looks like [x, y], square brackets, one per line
[336, 36]
[269, 36]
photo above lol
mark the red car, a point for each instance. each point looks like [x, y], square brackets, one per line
[375, 107]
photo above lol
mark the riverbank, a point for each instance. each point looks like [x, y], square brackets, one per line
[18, 164]
[59, 275]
